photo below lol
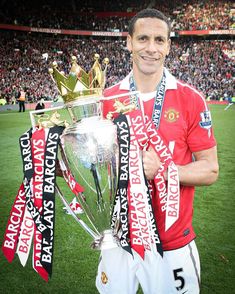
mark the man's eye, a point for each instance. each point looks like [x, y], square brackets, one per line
[160, 40]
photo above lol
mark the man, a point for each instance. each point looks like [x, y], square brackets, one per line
[185, 123]
[21, 99]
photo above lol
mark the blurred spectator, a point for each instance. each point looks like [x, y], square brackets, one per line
[40, 105]
[21, 97]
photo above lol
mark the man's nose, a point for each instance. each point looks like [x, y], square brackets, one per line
[151, 46]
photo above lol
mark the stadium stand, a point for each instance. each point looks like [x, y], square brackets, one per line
[185, 15]
[206, 61]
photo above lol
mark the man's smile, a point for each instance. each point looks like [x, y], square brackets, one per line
[149, 58]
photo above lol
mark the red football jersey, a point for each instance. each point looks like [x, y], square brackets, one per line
[186, 126]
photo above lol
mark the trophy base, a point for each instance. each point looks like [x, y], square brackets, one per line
[106, 241]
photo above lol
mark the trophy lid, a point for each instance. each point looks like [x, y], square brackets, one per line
[79, 84]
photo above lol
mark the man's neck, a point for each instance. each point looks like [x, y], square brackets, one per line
[147, 83]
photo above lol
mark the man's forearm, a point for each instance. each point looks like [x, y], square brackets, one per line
[198, 173]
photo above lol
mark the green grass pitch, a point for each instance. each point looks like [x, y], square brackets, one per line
[75, 264]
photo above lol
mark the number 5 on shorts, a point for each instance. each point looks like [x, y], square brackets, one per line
[178, 277]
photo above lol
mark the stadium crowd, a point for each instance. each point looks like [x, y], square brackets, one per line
[25, 59]
[185, 15]
[208, 15]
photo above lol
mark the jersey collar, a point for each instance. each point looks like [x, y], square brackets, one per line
[171, 82]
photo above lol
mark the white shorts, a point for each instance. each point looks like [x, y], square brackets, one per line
[177, 272]
[184, 265]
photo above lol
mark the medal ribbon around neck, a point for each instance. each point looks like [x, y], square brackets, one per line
[158, 101]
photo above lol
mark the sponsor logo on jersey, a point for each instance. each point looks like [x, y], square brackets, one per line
[104, 278]
[205, 122]
[171, 115]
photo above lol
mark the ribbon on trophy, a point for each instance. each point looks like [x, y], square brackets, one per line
[143, 230]
[138, 230]
[48, 211]
[120, 210]
[11, 236]
[143, 227]
[38, 154]
[168, 192]
[33, 212]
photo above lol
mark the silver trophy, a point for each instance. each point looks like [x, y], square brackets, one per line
[89, 149]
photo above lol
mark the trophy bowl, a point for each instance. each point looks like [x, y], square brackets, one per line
[91, 152]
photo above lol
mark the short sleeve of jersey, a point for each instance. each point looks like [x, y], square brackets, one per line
[200, 130]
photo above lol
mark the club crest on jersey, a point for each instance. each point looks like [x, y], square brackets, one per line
[205, 122]
[104, 278]
[171, 115]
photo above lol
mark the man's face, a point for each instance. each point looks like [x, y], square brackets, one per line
[149, 45]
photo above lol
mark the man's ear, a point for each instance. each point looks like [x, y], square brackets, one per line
[129, 43]
[168, 46]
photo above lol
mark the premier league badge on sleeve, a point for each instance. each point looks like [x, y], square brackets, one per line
[205, 122]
